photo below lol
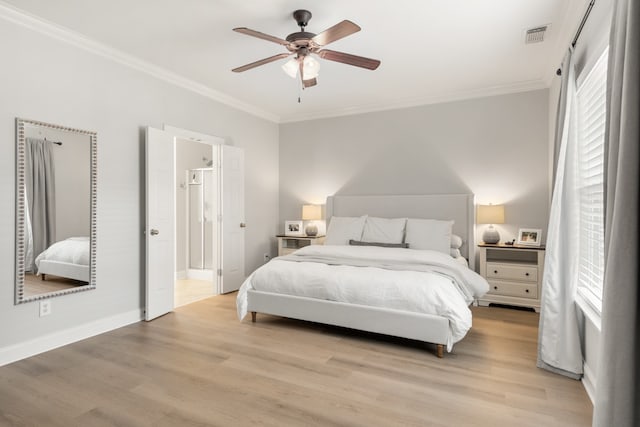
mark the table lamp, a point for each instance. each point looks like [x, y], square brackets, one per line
[311, 213]
[490, 214]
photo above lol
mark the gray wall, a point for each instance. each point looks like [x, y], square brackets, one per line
[495, 147]
[51, 81]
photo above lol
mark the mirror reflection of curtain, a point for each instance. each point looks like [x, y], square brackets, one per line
[41, 200]
[28, 235]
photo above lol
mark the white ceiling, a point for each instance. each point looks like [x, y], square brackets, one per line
[431, 50]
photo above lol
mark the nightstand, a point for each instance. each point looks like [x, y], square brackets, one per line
[288, 244]
[514, 274]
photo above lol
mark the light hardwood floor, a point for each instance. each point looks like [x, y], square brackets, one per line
[188, 291]
[200, 366]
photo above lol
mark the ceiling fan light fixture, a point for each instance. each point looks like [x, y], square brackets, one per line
[291, 68]
[302, 44]
[311, 67]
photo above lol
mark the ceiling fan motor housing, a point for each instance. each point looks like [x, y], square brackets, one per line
[301, 38]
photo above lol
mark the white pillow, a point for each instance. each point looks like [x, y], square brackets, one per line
[429, 234]
[383, 230]
[455, 252]
[456, 241]
[344, 228]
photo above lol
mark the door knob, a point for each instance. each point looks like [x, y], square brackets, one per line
[154, 232]
[243, 225]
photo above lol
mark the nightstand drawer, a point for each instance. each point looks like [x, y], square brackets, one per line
[512, 272]
[513, 289]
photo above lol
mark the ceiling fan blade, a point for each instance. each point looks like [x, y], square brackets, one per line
[263, 36]
[261, 62]
[347, 58]
[306, 82]
[309, 83]
[337, 32]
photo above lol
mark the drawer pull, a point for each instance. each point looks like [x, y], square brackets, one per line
[527, 290]
[526, 274]
[496, 288]
[495, 271]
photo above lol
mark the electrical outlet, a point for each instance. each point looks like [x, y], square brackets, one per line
[267, 257]
[45, 307]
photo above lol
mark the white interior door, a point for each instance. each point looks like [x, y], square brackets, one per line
[160, 223]
[233, 221]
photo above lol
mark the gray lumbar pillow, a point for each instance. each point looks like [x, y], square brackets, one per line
[383, 245]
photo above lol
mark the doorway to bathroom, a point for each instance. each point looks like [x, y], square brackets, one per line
[196, 221]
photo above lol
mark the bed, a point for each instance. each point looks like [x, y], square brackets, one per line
[67, 258]
[420, 293]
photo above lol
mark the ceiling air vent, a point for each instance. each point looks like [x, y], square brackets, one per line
[535, 35]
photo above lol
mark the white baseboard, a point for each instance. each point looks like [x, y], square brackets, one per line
[200, 274]
[57, 339]
[589, 382]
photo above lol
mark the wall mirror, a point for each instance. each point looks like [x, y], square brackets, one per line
[56, 195]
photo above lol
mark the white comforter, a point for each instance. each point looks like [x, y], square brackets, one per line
[403, 279]
[74, 250]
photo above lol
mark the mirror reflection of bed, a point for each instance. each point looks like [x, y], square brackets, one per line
[55, 211]
[63, 265]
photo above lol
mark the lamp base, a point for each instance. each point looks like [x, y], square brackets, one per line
[491, 236]
[311, 230]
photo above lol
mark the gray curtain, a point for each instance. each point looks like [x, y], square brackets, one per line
[617, 400]
[41, 195]
[561, 323]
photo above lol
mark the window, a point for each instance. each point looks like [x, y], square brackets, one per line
[591, 96]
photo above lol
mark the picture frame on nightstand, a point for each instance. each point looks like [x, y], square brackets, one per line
[293, 228]
[529, 237]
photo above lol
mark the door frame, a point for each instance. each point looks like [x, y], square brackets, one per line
[215, 142]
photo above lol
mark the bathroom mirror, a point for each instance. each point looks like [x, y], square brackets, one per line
[56, 195]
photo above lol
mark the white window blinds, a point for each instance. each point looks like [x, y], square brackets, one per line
[591, 127]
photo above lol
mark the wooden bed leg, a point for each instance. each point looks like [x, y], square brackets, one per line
[440, 350]
[43, 277]
[253, 317]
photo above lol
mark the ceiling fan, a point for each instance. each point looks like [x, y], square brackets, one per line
[302, 44]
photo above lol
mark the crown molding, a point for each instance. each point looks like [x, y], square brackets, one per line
[524, 86]
[58, 32]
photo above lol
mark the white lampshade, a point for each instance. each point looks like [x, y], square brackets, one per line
[311, 212]
[311, 67]
[291, 67]
[490, 214]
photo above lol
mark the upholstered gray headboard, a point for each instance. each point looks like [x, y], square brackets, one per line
[457, 207]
